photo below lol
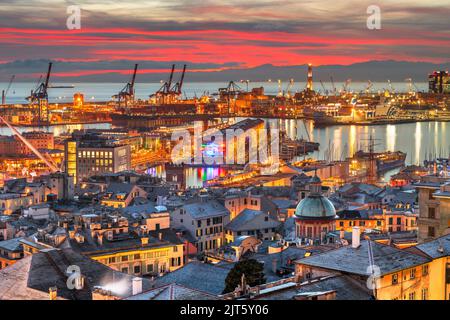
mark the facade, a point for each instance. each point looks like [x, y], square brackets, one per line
[91, 155]
[153, 249]
[205, 220]
[434, 208]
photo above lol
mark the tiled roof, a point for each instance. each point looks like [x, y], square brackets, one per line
[356, 261]
[251, 220]
[197, 275]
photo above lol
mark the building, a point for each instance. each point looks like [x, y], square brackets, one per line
[434, 207]
[388, 273]
[205, 220]
[252, 223]
[14, 202]
[439, 268]
[13, 146]
[147, 249]
[121, 195]
[10, 252]
[315, 215]
[439, 82]
[92, 154]
[40, 277]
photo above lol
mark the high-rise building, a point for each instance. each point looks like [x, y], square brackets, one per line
[439, 82]
[91, 154]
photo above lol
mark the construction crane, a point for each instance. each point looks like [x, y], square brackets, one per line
[49, 164]
[127, 93]
[5, 92]
[39, 97]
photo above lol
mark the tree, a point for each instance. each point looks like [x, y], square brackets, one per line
[254, 274]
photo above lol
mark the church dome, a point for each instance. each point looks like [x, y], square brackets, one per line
[315, 207]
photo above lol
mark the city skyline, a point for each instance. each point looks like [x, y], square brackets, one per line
[218, 36]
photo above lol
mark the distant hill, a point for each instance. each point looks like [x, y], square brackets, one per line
[29, 70]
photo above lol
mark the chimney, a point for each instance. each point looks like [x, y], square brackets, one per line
[341, 234]
[356, 237]
[53, 293]
[137, 286]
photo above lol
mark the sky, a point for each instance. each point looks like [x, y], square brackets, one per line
[214, 35]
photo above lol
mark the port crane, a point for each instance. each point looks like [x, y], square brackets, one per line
[5, 92]
[52, 166]
[179, 85]
[411, 84]
[391, 86]
[39, 97]
[334, 87]
[346, 85]
[230, 94]
[127, 93]
[325, 91]
[168, 93]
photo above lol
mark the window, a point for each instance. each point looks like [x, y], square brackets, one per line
[399, 220]
[125, 270]
[137, 269]
[425, 294]
[391, 221]
[199, 223]
[395, 278]
[431, 232]
[137, 256]
[124, 258]
[412, 296]
[425, 270]
[149, 268]
[341, 223]
[412, 274]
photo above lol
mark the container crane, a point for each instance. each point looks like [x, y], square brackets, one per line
[127, 93]
[5, 92]
[325, 91]
[39, 97]
[391, 86]
[168, 93]
[179, 85]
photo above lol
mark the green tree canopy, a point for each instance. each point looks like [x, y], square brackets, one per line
[254, 274]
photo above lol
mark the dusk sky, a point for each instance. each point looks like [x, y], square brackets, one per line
[213, 34]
